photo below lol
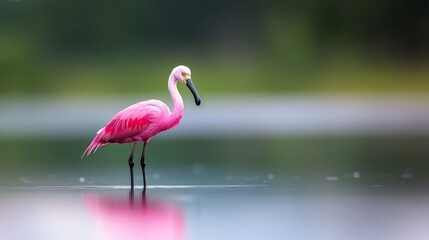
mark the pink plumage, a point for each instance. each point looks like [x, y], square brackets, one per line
[138, 122]
[143, 120]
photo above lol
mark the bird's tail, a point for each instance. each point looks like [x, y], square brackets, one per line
[97, 142]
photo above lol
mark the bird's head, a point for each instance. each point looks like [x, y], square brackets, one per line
[183, 74]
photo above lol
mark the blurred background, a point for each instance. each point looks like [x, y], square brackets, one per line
[292, 91]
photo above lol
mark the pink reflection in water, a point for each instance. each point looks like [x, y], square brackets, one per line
[133, 218]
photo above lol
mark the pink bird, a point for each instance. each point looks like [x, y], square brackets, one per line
[143, 120]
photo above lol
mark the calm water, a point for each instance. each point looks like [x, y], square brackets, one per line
[314, 187]
[289, 211]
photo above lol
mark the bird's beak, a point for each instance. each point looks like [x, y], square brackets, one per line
[194, 91]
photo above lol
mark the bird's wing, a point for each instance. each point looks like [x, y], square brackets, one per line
[133, 120]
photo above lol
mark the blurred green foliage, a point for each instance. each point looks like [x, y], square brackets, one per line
[73, 48]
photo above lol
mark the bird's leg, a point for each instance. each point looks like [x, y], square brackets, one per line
[131, 164]
[143, 163]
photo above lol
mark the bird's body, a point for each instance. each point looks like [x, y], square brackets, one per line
[143, 120]
[138, 122]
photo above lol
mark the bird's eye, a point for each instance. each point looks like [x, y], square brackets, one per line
[185, 75]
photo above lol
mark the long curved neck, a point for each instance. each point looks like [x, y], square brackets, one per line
[177, 112]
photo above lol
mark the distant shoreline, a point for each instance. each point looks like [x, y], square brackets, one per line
[264, 115]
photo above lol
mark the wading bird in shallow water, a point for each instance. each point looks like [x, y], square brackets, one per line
[143, 120]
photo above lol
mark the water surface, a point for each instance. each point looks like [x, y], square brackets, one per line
[290, 211]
